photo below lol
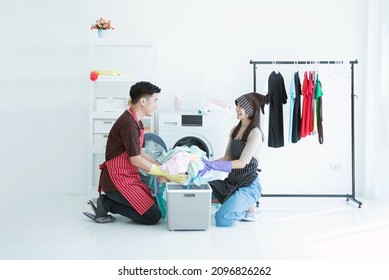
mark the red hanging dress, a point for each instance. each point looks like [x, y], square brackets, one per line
[307, 92]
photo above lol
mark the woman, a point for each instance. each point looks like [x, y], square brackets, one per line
[241, 189]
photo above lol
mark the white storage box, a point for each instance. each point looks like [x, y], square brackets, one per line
[111, 104]
[102, 125]
[188, 207]
[100, 139]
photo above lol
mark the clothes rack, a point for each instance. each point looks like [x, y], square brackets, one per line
[352, 63]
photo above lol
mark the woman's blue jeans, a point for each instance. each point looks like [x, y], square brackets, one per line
[236, 206]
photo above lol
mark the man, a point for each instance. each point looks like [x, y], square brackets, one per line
[125, 193]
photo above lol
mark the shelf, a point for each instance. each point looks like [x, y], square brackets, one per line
[132, 78]
[98, 150]
[109, 94]
[101, 42]
[113, 79]
[107, 115]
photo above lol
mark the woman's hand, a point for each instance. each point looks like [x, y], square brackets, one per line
[219, 165]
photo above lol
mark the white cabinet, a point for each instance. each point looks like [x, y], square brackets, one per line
[121, 63]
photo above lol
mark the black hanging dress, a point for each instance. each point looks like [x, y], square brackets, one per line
[297, 110]
[276, 97]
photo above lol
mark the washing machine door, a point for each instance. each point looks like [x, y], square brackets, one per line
[154, 147]
[193, 140]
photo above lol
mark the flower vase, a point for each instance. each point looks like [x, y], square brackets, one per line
[101, 33]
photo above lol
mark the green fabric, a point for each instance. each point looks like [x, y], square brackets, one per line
[318, 92]
[158, 190]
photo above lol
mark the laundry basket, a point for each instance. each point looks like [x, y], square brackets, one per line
[188, 207]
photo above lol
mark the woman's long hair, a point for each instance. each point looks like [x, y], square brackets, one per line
[255, 121]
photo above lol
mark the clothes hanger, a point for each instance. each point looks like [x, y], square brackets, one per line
[274, 67]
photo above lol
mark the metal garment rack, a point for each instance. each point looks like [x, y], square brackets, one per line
[352, 63]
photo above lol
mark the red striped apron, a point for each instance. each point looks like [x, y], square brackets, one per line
[126, 178]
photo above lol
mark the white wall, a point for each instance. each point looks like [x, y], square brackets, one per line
[44, 70]
[376, 182]
[43, 86]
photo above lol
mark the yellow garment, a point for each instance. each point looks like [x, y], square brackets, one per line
[112, 73]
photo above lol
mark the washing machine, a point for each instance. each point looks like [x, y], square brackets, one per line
[205, 131]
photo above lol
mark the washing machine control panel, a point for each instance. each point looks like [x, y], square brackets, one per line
[192, 120]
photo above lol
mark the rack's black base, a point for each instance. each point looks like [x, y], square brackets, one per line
[355, 200]
[347, 196]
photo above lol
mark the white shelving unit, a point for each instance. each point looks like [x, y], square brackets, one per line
[109, 94]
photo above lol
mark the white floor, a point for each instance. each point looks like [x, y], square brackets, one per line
[48, 226]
